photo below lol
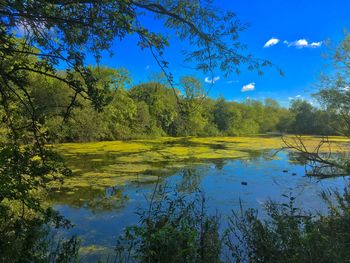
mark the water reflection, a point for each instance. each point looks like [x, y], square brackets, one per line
[320, 169]
[95, 200]
[296, 158]
[190, 179]
[219, 164]
[115, 197]
[101, 214]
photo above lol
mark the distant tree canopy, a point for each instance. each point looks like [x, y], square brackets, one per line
[155, 109]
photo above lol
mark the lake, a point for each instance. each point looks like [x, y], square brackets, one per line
[112, 180]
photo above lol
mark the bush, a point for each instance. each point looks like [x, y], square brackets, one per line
[290, 235]
[176, 228]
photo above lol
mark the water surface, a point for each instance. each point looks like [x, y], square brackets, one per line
[100, 215]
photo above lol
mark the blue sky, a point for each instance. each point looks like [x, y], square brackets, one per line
[300, 26]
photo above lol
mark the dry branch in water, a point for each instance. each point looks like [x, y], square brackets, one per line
[320, 160]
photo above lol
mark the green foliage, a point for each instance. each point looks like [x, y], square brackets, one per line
[33, 242]
[290, 235]
[162, 104]
[25, 224]
[304, 117]
[334, 93]
[176, 228]
[24, 220]
[190, 119]
[39, 103]
[155, 109]
[24, 170]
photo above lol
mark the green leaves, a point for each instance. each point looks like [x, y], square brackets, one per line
[25, 174]
[26, 170]
[176, 228]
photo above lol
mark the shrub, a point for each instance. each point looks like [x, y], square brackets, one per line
[176, 228]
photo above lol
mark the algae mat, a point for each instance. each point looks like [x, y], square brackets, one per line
[99, 165]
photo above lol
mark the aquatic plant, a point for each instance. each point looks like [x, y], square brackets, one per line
[104, 164]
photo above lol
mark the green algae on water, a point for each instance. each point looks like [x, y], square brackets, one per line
[99, 165]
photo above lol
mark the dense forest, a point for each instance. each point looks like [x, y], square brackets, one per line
[155, 109]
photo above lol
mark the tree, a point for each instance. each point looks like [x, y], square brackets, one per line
[304, 113]
[120, 114]
[271, 116]
[222, 115]
[61, 33]
[190, 120]
[142, 123]
[162, 104]
[334, 93]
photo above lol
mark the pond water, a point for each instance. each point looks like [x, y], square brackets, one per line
[101, 215]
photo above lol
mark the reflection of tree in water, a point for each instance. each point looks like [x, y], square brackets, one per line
[191, 177]
[296, 158]
[318, 169]
[257, 156]
[260, 155]
[112, 199]
[96, 200]
[190, 180]
[219, 164]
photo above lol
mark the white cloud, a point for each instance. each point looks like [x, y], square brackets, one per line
[316, 44]
[248, 87]
[303, 43]
[295, 97]
[300, 43]
[211, 81]
[271, 42]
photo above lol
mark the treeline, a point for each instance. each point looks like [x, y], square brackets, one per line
[154, 109]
